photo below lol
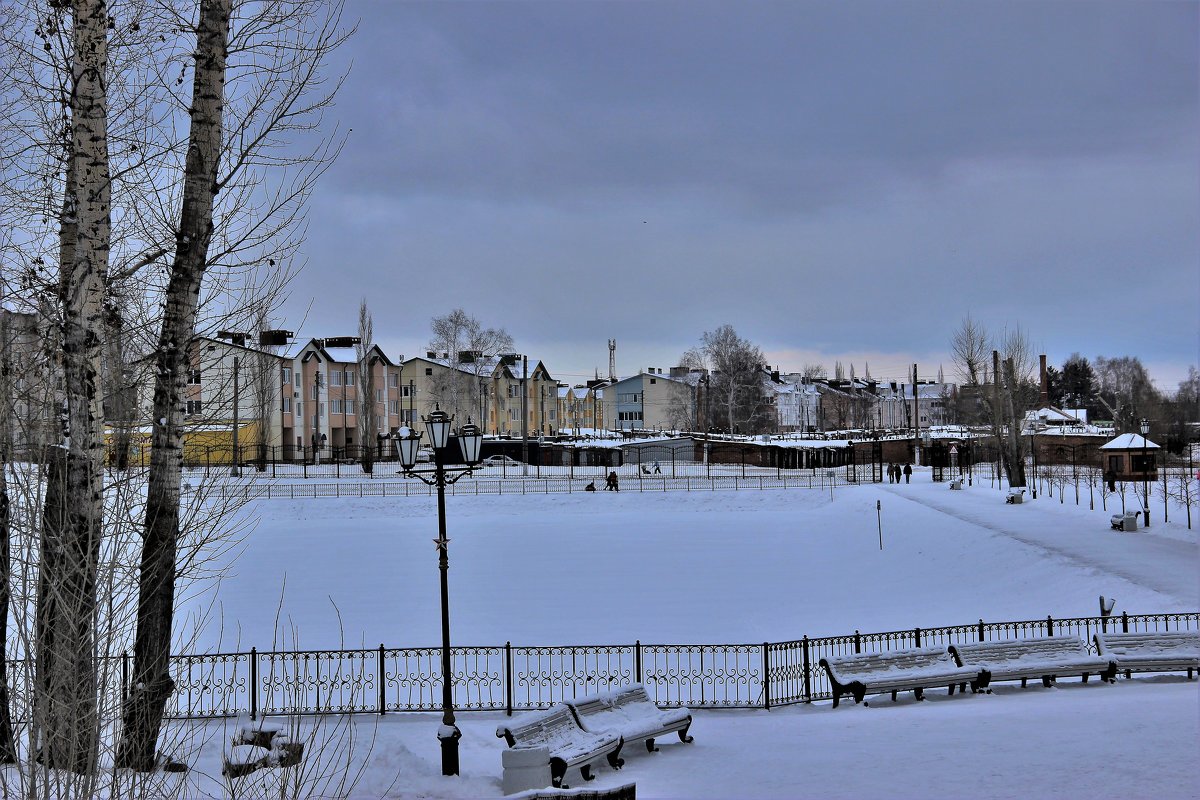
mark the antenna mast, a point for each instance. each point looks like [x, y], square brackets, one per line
[612, 360]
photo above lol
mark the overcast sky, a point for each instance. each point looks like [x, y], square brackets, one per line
[838, 181]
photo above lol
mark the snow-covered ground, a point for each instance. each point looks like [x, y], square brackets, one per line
[746, 566]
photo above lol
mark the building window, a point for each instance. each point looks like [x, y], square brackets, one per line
[393, 406]
[193, 377]
[320, 410]
[287, 404]
[192, 407]
[349, 406]
[379, 394]
[300, 409]
[514, 390]
[514, 415]
[287, 374]
[335, 377]
[429, 370]
[316, 392]
[393, 380]
[349, 377]
[629, 416]
[338, 406]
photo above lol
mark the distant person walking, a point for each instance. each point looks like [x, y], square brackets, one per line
[908, 473]
[610, 483]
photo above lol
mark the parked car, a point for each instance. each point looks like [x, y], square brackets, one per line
[499, 461]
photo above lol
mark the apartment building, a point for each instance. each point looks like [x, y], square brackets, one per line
[650, 401]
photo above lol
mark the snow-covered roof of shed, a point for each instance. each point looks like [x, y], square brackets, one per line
[1129, 441]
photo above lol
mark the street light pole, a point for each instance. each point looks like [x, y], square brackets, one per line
[469, 440]
[1145, 475]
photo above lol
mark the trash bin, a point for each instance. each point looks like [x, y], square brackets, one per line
[1131, 521]
[525, 768]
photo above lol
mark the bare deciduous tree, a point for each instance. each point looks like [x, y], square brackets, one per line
[368, 425]
[470, 348]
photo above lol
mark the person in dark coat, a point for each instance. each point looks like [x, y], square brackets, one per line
[610, 483]
[891, 473]
[908, 473]
[591, 487]
[1111, 478]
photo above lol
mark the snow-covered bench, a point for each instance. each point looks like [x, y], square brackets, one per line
[1150, 652]
[1015, 497]
[956, 484]
[1046, 657]
[570, 745]
[631, 714]
[897, 671]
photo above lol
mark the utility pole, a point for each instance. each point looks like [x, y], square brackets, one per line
[236, 422]
[524, 415]
[316, 437]
[916, 419]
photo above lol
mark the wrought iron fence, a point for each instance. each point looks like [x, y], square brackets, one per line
[514, 678]
[822, 479]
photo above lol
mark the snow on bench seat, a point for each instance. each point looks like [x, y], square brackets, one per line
[1045, 657]
[630, 713]
[569, 745]
[1176, 651]
[895, 671]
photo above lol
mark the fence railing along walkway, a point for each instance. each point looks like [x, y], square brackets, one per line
[824, 479]
[512, 677]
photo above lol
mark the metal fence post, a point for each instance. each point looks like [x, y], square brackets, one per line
[1125, 622]
[981, 630]
[766, 659]
[807, 670]
[857, 642]
[253, 683]
[637, 660]
[382, 696]
[1049, 625]
[917, 637]
[508, 683]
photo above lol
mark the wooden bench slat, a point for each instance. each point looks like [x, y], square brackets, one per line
[631, 713]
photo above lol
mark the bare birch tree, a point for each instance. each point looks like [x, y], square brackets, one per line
[281, 47]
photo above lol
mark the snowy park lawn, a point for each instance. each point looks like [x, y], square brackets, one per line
[745, 566]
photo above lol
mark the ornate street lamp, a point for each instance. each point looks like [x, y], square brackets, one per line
[470, 437]
[1145, 474]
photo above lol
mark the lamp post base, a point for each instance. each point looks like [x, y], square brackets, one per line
[449, 735]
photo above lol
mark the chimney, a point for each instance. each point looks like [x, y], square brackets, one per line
[1044, 397]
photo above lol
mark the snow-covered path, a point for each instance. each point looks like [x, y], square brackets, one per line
[1158, 558]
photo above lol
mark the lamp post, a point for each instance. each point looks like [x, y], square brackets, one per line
[1145, 475]
[437, 424]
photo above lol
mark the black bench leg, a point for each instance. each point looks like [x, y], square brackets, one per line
[558, 770]
[1046, 681]
[683, 735]
[1086, 675]
[1128, 674]
[586, 772]
[650, 745]
[893, 697]
[859, 691]
[614, 759]
[1024, 681]
[919, 694]
[1109, 675]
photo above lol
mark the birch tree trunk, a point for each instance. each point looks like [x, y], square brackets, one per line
[66, 701]
[151, 685]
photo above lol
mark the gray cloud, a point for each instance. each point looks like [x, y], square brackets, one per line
[838, 176]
